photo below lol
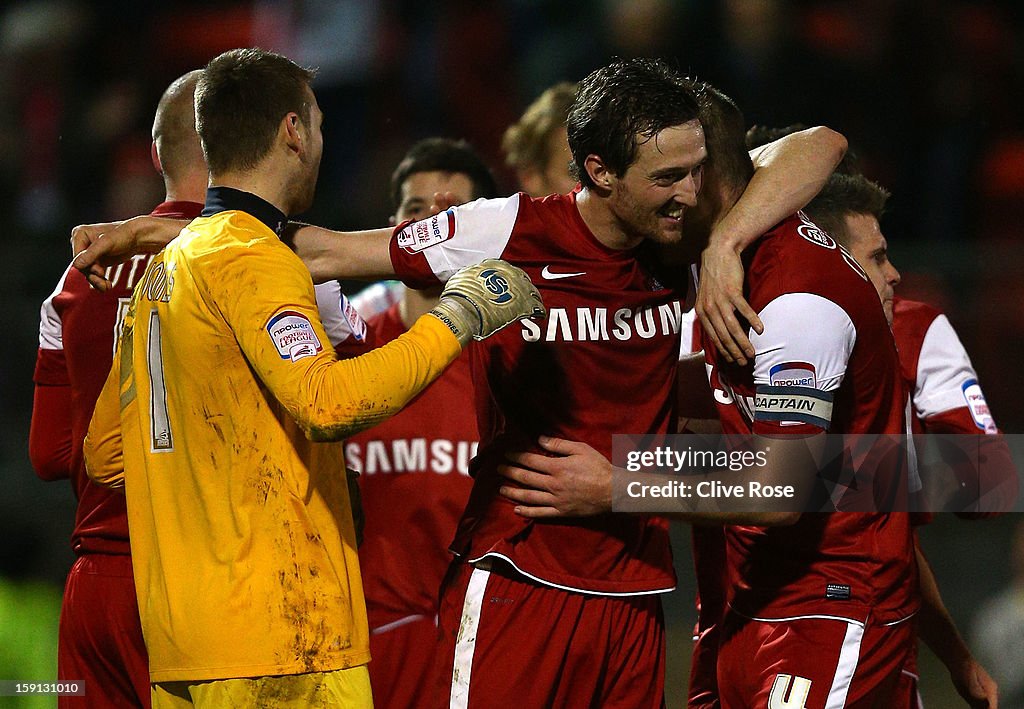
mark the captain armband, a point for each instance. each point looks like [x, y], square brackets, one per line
[793, 404]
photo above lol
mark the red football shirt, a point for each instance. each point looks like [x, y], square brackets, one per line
[414, 484]
[602, 362]
[947, 399]
[77, 335]
[826, 344]
[938, 372]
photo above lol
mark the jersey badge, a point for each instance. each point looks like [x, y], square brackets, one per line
[293, 335]
[814, 234]
[421, 235]
[978, 406]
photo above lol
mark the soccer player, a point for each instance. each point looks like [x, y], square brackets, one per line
[603, 362]
[537, 147]
[243, 539]
[946, 396]
[946, 399]
[100, 639]
[817, 610]
[415, 466]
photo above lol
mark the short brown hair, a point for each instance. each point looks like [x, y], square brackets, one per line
[845, 195]
[240, 100]
[724, 134]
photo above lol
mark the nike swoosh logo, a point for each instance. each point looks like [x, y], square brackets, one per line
[547, 275]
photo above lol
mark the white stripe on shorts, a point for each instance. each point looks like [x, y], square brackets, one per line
[846, 666]
[465, 644]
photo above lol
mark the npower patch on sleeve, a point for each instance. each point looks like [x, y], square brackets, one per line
[293, 335]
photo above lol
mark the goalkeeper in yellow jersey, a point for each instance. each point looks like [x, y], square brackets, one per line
[241, 530]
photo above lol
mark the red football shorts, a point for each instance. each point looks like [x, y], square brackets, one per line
[814, 662]
[100, 637]
[403, 659]
[508, 641]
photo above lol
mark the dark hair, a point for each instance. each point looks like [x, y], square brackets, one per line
[843, 195]
[619, 102]
[526, 142]
[762, 135]
[443, 155]
[724, 134]
[240, 100]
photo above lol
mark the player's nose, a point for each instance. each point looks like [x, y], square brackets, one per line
[892, 275]
[686, 191]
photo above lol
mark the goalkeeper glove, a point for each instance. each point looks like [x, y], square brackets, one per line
[482, 299]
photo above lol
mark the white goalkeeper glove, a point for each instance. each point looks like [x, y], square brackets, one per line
[482, 299]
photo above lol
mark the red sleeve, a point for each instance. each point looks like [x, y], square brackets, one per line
[982, 463]
[953, 421]
[49, 438]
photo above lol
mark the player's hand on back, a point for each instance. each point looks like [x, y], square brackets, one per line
[719, 297]
[574, 481]
[480, 300]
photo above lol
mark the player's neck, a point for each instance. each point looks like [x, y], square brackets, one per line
[602, 222]
[267, 186]
[191, 188]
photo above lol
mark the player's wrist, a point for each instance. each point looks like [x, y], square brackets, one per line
[724, 242]
[459, 316]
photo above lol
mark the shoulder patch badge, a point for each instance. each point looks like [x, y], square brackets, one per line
[978, 406]
[421, 235]
[293, 335]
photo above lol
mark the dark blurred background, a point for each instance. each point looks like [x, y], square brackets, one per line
[927, 91]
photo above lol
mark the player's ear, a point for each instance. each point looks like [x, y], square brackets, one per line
[155, 157]
[291, 132]
[599, 173]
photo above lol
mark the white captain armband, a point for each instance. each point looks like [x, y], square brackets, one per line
[793, 404]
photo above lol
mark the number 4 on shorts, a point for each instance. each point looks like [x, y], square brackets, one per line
[797, 689]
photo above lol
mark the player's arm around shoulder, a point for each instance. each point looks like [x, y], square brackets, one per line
[267, 299]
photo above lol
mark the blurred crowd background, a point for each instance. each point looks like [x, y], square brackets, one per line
[929, 93]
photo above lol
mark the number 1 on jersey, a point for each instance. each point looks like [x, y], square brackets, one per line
[159, 418]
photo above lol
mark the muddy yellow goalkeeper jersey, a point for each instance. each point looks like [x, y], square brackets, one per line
[241, 529]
